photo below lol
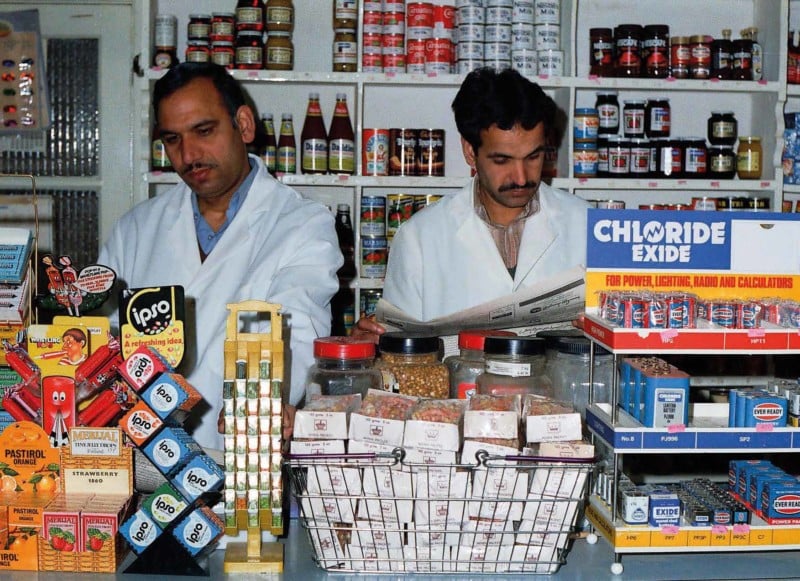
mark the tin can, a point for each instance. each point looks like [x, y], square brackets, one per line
[393, 44]
[374, 255]
[402, 152]
[430, 158]
[438, 55]
[547, 36]
[609, 204]
[547, 11]
[373, 216]
[372, 43]
[424, 200]
[399, 208]
[523, 61]
[394, 63]
[375, 152]
[444, 22]
[419, 20]
[368, 301]
[758, 204]
[704, 203]
[372, 21]
[371, 63]
[550, 63]
[394, 23]
[415, 56]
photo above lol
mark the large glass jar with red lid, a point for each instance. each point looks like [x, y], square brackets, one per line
[410, 365]
[465, 367]
[343, 366]
[514, 365]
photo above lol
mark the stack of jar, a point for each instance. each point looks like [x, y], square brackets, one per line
[413, 38]
[633, 50]
[345, 40]
[253, 18]
[520, 34]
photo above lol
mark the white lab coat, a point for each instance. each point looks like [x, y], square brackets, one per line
[280, 247]
[444, 259]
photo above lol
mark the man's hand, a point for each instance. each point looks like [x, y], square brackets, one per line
[288, 423]
[367, 328]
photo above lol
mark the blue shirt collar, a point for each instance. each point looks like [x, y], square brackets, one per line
[206, 237]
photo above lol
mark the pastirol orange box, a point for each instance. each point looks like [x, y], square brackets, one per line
[21, 522]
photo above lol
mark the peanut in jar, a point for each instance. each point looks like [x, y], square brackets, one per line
[410, 366]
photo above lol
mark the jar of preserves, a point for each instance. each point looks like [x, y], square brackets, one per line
[607, 106]
[279, 16]
[700, 60]
[619, 157]
[464, 368]
[695, 158]
[748, 158]
[584, 160]
[223, 27]
[249, 50]
[655, 51]
[602, 156]
[280, 52]
[345, 51]
[722, 128]
[721, 162]
[165, 42]
[633, 119]
[250, 15]
[657, 118]
[585, 124]
[601, 52]
[668, 158]
[345, 14]
[410, 365]
[680, 56]
[343, 366]
[639, 158]
[628, 57]
[199, 27]
[222, 54]
[514, 365]
[197, 51]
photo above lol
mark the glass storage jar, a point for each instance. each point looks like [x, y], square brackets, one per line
[343, 366]
[514, 365]
[465, 367]
[569, 372]
[410, 365]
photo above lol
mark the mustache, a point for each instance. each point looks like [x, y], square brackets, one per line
[193, 166]
[531, 185]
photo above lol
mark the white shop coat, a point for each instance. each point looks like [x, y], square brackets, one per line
[280, 247]
[444, 259]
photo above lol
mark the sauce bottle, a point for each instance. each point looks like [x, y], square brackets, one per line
[758, 55]
[159, 161]
[287, 148]
[313, 140]
[341, 139]
[722, 56]
[269, 151]
[343, 302]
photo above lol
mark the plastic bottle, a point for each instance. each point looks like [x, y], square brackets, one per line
[269, 151]
[342, 366]
[341, 139]
[470, 362]
[313, 139]
[287, 147]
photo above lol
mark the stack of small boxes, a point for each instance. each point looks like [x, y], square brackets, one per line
[153, 426]
[654, 392]
[253, 425]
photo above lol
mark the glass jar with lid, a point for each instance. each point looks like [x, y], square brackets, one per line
[343, 366]
[514, 365]
[465, 367]
[410, 365]
[748, 158]
[279, 52]
[569, 372]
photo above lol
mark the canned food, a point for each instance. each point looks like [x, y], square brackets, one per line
[547, 37]
[393, 44]
[399, 208]
[374, 255]
[375, 153]
[373, 216]
[546, 11]
[522, 37]
[550, 62]
[394, 23]
[394, 63]
[704, 203]
[424, 200]
[608, 204]
[430, 160]
[402, 152]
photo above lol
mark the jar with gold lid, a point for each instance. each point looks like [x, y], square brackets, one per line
[279, 16]
[749, 158]
[280, 52]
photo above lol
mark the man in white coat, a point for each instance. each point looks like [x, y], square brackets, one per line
[229, 233]
[505, 229]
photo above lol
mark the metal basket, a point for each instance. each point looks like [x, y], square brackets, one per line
[376, 513]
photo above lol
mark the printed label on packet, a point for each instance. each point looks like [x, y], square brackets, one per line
[165, 504]
[140, 531]
[140, 423]
[197, 531]
[167, 451]
[198, 476]
[165, 395]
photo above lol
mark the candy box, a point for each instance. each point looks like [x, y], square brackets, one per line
[20, 529]
[142, 367]
[140, 423]
[103, 548]
[61, 540]
[171, 448]
[165, 505]
[199, 530]
[140, 531]
[200, 475]
[169, 394]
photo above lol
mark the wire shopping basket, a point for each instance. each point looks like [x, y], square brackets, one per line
[377, 513]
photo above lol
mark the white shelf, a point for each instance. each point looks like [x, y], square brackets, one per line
[347, 181]
[684, 185]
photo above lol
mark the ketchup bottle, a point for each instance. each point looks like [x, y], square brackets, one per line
[341, 139]
[287, 148]
[313, 140]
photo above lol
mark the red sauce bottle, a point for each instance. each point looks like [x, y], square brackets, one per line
[313, 139]
[341, 139]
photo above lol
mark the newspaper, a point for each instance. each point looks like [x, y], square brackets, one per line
[551, 303]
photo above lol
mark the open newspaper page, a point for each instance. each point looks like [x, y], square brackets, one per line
[550, 304]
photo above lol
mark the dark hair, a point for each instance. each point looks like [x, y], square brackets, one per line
[505, 98]
[184, 73]
[77, 334]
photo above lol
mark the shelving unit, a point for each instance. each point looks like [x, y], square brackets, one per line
[382, 100]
